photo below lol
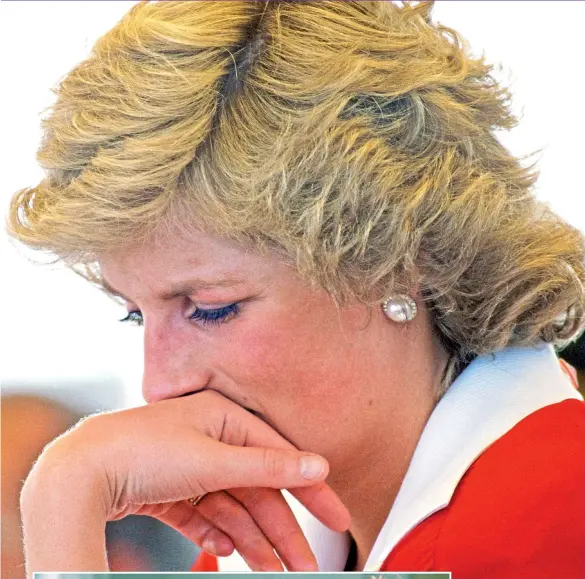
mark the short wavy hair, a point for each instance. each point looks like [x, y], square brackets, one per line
[355, 139]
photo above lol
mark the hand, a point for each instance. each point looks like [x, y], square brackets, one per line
[149, 460]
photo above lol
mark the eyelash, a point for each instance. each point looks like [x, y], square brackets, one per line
[206, 317]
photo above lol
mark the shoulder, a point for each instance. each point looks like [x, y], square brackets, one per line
[538, 457]
[519, 510]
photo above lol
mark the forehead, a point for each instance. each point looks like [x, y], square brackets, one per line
[176, 258]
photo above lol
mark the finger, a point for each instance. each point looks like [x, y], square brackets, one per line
[278, 468]
[241, 428]
[232, 518]
[188, 521]
[321, 501]
[276, 520]
[229, 466]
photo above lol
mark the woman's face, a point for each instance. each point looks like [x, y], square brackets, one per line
[221, 317]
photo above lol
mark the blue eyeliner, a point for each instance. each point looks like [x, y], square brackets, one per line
[215, 316]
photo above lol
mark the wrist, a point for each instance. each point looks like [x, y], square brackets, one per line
[64, 513]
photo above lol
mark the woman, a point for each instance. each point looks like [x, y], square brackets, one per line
[333, 258]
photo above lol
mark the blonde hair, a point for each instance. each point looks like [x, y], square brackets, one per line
[354, 138]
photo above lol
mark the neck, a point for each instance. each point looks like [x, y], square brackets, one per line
[368, 485]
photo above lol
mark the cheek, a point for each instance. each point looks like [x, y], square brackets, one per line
[290, 364]
[304, 373]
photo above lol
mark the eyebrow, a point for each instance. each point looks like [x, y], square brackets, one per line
[185, 288]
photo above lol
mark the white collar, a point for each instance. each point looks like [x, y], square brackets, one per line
[493, 394]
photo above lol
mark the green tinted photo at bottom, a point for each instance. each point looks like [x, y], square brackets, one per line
[356, 575]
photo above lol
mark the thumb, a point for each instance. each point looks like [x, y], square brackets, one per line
[276, 468]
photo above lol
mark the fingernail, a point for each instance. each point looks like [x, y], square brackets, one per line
[223, 547]
[209, 545]
[308, 566]
[312, 467]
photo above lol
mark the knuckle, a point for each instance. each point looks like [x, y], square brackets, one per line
[231, 518]
[202, 533]
[190, 518]
[252, 543]
[221, 510]
[274, 462]
[284, 535]
[255, 497]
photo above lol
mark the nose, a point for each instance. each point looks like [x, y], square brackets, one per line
[173, 365]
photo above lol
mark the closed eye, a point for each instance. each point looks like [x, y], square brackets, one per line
[134, 317]
[214, 316]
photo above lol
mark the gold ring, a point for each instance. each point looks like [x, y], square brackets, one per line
[195, 500]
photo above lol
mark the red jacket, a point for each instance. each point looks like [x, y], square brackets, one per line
[496, 487]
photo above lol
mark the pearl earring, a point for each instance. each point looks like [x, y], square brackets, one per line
[400, 308]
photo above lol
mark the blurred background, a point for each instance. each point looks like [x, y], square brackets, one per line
[63, 353]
